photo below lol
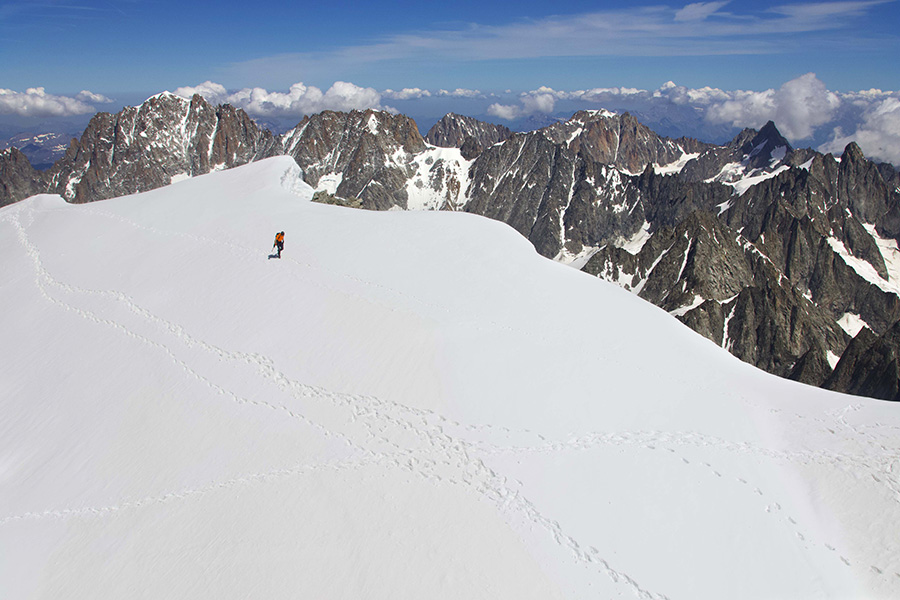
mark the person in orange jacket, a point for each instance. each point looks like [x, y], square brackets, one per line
[279, 242]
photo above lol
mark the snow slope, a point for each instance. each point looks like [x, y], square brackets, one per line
[406, 405]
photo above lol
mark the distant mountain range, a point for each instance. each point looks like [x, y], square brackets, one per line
[785, 257]
[42, 149]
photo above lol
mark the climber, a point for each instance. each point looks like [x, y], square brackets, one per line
[279, 242]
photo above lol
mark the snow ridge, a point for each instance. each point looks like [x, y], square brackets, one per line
[430, 425]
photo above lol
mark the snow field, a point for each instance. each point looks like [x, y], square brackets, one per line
[405, 405]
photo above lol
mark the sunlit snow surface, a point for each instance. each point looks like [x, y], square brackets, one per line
[406, 405]
[851, 323]
[676, 166]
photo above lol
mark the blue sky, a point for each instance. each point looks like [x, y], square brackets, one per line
[115, 46]
[511, 53]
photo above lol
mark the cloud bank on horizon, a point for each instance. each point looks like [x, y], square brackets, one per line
[299, 100]
[804, 109]
[37, 102]
[798, 107]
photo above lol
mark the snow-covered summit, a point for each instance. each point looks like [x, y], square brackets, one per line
[406, 405]
[165, 94]
[601, 112]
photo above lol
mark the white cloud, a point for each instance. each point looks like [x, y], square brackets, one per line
[864, 96]
[802, 109]
[613, 91]
[798, 107]
[507, 112]
[878, 135]
[213, 92]
[681, 95]
[743, 109]
[88, 96]
[346, 96]
[461, 93]
[803, 104]
[38, 103]
[813, 12]
[300, 99]
[698, 11]
[542, 100]
[406, 94]
[539, 101]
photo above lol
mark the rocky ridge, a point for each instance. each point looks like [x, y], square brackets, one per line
[377, 157]
[750, 154]
[798, 255]
[870, 366]
[18, 179]
[470, 135]
[148, 146]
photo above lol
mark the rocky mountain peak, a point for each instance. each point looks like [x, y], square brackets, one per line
[357, 154]
[752, 142]
[469, 134]
[852, 153]
[743, 138]
[18, 179]
[766, 150]
[861, 188]
[751, 153]
[166, 100]
[144, 147]
[613, 139]
[387, 130]
[586, 116]
[770, 132]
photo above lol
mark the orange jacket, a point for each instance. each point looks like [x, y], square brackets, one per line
[279, 237]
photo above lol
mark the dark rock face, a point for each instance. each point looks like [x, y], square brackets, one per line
[556, 186]
[372, 152]
[469, 135]
[144, 147]
[861, 186]
[514, 181]
[776, 247]
[890, 175]
[812, 368]
[18, 179]
[370, 155]
[749, 153]
[614, 140]
[699, 257]
[773, 328]
[563, 187]
[670, 199]
[720, 285]
[870, 366]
